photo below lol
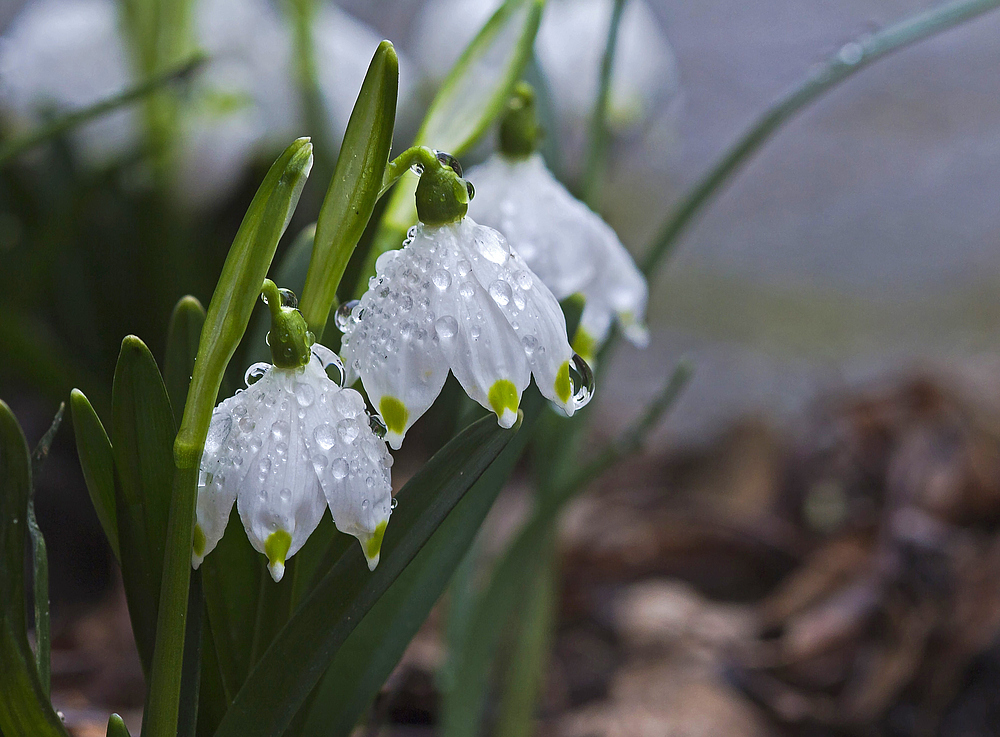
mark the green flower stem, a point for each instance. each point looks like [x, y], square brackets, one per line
[228, 314]
[593, 171]
[422, 155]
[851, 58]
[16, 147]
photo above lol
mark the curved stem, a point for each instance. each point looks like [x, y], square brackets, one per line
[396, 168]
[851, 58]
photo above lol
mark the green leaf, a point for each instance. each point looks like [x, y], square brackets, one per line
[116, 727]
[98, 464]
[24, 705]
[354, 187]
[40, 558]
[183, 335]
[323, 622]
[470, 99]
[229, 312]
[367, 657]
[142, 437]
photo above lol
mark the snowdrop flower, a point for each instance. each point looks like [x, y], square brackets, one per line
[569, 247]
[457, 297]
[289, 445]
[645, 85]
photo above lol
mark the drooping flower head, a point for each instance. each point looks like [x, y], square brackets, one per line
[457, 297]
[569, 247]
[290, 444]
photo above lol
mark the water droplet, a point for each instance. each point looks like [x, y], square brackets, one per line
[285, 494]
[344, 319]
[339, 468]
[470, 189]
[464, 267]
[365, 503]
[441, 279]
[395, 502]
[501, 292]
[467, 291]
[377, 426]
[218, 432]
[305, 394]
[582, 379]
[255, 373]
[492, 249]
[264, 466]
[319, 462]
[530, 343]
[323, 435]
[348, 430]
[449, 161]
[523, 280]
[417, 169]
[279, 429]
[446, 327]
[851, 53]
[247, 425]
[288, 298]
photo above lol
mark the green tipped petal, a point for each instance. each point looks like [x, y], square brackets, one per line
[276, 548]
[372, 547]
[563, 386]
[504, 400]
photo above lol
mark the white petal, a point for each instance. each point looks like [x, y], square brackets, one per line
[390, 342]
[529, 307]
[482, 349]
[567, 245]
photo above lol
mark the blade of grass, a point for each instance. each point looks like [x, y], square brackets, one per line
[16, 147]
[183, 335]
[852, 58]
[24, 705]
[98, 463]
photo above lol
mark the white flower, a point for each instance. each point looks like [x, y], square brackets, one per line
[565, 243]
[457, 297]
[292, 443]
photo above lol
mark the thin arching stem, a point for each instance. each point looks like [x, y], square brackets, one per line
[851, 58]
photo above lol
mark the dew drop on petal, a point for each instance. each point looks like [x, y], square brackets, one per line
[255, 373]
[279, 429]
[470, 189]
[501, 292]
[492, 250]
[441, 279]
[285, 494]
[463, 267]
[324, 436]
[446, 327]
[348, 430]
[319, 462]
[264, 466]
[582, 378]
[365, 503]
[344, 318]
[523, 280]
[305, 394]
[339, 468]
[530, 343]
[377, 426]
[467, 291]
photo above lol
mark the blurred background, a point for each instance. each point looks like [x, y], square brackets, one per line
[807, 546]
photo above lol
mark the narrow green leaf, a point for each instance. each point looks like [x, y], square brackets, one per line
[98, 464]
[354, 187]
[367, 657]
[470, 99]
[225, 324]
[212, 701]
[142, 437]
[530, 653]
[183, 335]
[187, 718]
[321, 624]
[473, 659]
[17, 146]
[116, 727]
[24, 705]
[40, 558]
